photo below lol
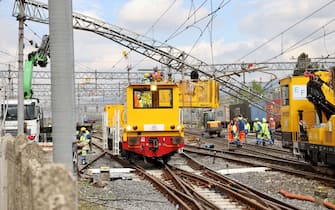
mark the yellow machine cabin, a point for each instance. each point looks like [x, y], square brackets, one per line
[152, 107]
[293, 98]
[308, 115]
[153, 127]
[199, 94]
[202, 94]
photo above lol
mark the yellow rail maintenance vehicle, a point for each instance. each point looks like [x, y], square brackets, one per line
[153, 127]
[308, 115]
[293, 98]
[211, 125]
[202, 94]
[150, 125]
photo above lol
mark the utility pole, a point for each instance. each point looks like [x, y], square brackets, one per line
[62, 80]
[78, 102]
[96, 91]
[182, 68]
[20, 95]
[243, 77]
[63, 86]
[10, 82]
[96, 82]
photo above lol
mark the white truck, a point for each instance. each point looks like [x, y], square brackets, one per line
[32, 110]
[32, 118]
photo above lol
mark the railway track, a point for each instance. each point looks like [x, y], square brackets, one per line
[190, 185]
[202, 174]
[196, 194]
[295, 168]
[271, 154]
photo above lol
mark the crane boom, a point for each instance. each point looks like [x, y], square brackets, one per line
[321, 95]
[160, 52]
[38, 57]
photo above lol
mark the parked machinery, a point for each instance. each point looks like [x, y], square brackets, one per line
[293, 94]
[321, 136]
[211, 125]
[293, 98]
[150, 124]
[308, 120]
[153, 126]
[33, 115]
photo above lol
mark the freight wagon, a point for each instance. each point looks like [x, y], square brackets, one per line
[247, 111]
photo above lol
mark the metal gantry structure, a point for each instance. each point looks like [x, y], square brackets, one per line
[90, 81]
[163, 53]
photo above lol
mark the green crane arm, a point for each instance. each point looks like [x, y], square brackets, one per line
[39, 57]
[27, 77]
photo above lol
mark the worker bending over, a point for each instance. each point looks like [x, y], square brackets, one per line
[84, 142]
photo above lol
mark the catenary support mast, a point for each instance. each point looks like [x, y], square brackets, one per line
[20, 105]
[62, 80]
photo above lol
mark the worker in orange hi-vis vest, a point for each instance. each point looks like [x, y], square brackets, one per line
[241, 129]
[236, 134]
[136, 101]
[230, 132]
[156, 75]
[272, 127]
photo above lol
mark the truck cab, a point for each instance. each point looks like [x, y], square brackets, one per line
[32, 116]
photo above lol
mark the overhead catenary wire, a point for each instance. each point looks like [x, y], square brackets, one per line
[210, 30]
[296, 44]
[148, 30]
[30, 29]
[7, 53]
[40, 37]
[315, 39]
[191, 7]
[187, 19]
[200, 35]
[324, 40]
[327, 57]
[12, 63]
[176, 33]
[287, 29]
[159, 18]
[211, 14]
[303, 44]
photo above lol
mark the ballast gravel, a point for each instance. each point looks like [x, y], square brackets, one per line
[128, 193]
[140, 194]
[271, 182]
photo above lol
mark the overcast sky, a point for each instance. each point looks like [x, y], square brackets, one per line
[236, 28]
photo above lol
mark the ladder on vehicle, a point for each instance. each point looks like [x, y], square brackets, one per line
[112, 133]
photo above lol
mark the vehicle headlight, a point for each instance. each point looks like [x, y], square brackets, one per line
[129, 128]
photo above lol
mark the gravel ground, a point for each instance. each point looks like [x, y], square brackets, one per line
[122, 194]
[139, 194]
[130, 193]
[271, 182]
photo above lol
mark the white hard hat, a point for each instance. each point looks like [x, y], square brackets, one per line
[256, 119]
